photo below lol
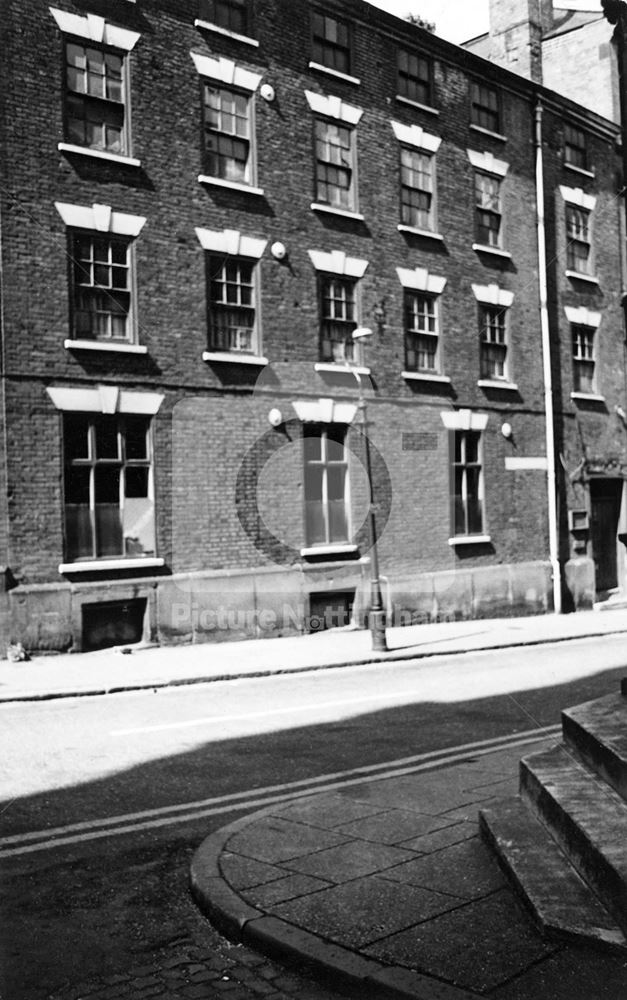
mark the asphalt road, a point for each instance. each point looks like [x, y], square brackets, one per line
[105, 799]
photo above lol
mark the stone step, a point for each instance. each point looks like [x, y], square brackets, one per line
[560, 902]
[586, 817]
[597, 731]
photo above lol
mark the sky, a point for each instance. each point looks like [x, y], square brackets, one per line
[458, 20]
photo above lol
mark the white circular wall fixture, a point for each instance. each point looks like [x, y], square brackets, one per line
[267, 92]
[506, 430]
[278, 251]
[275, 417]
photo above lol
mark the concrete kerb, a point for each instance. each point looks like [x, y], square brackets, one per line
[391, 656]
[239, 921]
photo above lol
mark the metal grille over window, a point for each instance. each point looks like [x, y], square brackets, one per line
[95, 98]
[583, 359]
[331, 42]
[109, 505]
[338, 320]
[232, 305]
[334, 165]
[101, 288]
[468, 483]
[416, 189]
[414, 77]
[326, 484]
[484, 107]
[488, 209]
[227, 134]
[421, 333]
[578, 236]
[493, 342]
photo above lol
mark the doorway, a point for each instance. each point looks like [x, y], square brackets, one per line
[605, 501]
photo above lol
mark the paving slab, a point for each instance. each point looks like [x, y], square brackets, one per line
[476, 947]
[364, 910]
[393, 826]
[350, 860]
[276, 839]
[466, 870]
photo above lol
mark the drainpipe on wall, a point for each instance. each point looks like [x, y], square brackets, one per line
[546, 363]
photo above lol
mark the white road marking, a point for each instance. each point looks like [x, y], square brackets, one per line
[114, 826]
[265, 714]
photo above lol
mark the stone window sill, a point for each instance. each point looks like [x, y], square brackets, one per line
[426, 377]
[104, 345]
[495, 383]
[232, 358]
[469, 540]
[416, 104]
[335, 73]
[106, 565]
[487, 131]
[579, 170]
[419, 232]
[232, 185]
[317, 206]
[98, 154]
[482, 248]
[328, 550]
[578, 276]
[208, 26]
[329, 366]
[587, 397]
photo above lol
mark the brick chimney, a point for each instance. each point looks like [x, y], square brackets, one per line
[516, 30]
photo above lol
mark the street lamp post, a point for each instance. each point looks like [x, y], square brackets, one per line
[377, 612]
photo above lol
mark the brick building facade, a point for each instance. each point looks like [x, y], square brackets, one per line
[201, 201]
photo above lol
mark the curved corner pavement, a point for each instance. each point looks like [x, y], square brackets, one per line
[387, 885]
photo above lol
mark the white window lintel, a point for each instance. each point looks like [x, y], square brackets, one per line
[420, 280]
[415, 135]
[226, 71]
[464, 420]
[333, 107]
[487, 163]
[95, 29]
[337, 262]
[324, 411]
[577, 196]
[581, 316]
[105, 399]
[492, 295]
[232, 242]
[100, 218]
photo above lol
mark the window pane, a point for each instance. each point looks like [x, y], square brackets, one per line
[138, 521]
[79, 543]
[77, 484]
[338, 523]
[75, 437]
[312, 446]
[107, 511]
[107, 444]
[314, 481]
[136, 437]
[315, 523]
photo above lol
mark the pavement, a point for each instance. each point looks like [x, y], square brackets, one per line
[380, 885]
[139, 667]
[386, 886]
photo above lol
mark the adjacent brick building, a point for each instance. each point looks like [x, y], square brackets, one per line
[201, 201]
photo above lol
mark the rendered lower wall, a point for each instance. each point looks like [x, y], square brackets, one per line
[250, 604]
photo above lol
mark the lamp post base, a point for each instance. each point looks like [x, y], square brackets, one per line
[377, 630]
